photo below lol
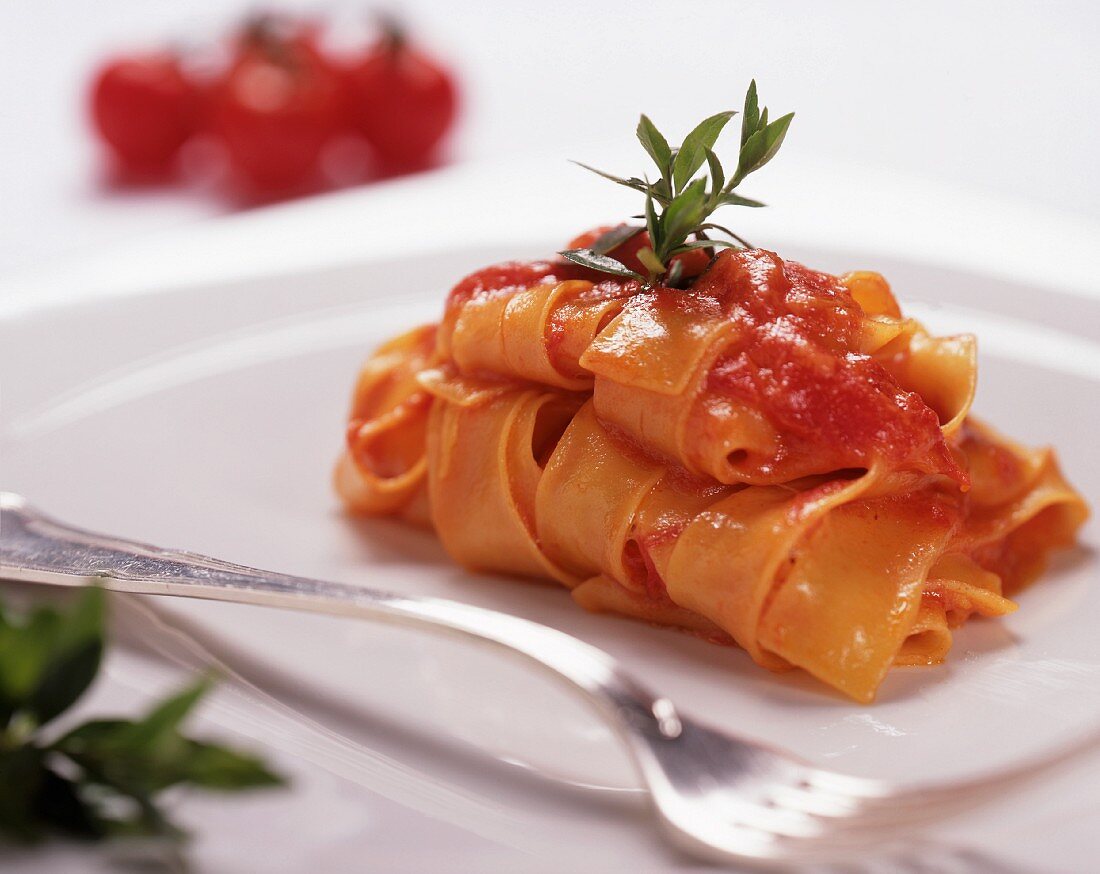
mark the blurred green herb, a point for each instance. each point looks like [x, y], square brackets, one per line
[677, 204]
[101, 778]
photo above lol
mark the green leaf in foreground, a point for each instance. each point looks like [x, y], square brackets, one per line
[101, 778]
[164, 719]
[216, 767]
[74, 660]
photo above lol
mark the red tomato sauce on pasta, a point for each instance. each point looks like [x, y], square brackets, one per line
[795, 361]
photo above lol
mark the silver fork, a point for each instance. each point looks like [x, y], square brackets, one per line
[716, 795]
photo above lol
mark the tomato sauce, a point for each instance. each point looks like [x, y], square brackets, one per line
[795, 357]
[795, 360]
[514, 276]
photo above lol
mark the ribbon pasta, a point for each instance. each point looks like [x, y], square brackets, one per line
[773, 457]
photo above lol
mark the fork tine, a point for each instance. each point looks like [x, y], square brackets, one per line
[729, 807]
[880, 792]
[881, 814]
[769, 850]
[846, 785]
[796, 813]
[871, 795]
[800, 815]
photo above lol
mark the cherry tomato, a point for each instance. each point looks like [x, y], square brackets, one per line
[144, 109]
[400, 100]
[277, 107]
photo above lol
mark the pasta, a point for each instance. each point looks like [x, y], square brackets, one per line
[771, 457]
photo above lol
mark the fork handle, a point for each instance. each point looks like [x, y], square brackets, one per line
[37, 549]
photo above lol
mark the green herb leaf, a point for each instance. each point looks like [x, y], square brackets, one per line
[655, 144]
[775, 133]
[675, 274]
[74, 661]
[708, 226]
[662, 190]
[762, 145]
[59, 804]
[733, 199]
[217, 767]
[96, 736]
[21, 777]
[65, 679]
[717, 174]
[651, 260]
[750, 155]
[166, 717]
[677, 205]
[632, 182]
[692, 152]
[101, 778]
[686, 211]
[612, 239]
[25, 649]
[652, 220]
[603, 263]
[750, 117]
[704, 244]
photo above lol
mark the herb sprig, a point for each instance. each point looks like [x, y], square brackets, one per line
[678, 205]
[101, 778]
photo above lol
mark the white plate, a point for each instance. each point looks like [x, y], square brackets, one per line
[209, 418]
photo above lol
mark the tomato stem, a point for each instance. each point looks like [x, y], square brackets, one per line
[394, 34]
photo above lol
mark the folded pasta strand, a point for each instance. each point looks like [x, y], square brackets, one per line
[773, 457]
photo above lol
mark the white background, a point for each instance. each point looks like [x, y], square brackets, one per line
[998, 97]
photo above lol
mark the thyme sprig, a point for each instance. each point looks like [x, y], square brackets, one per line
[677, 204]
